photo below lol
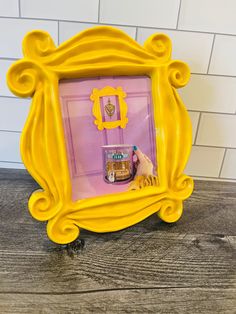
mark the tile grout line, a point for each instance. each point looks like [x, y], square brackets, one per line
[58, 32]
[195, 177]
[197, 129]
[10, 131]
[12, 162]
[222, 164]
[214, 146]
[212, 112]
[99, 4]
[9, 59]
[117, 24]
[136, 34]
[212, 74]
[227, 179]
[19, 7]
[212, 47]
[177, 24]
[15, 97]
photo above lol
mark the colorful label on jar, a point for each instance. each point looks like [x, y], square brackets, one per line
[118, 164]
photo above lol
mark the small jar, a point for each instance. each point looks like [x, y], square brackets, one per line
[118, 164]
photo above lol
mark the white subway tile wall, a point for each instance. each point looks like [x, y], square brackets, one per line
[11, 40]
[210, 93]
[193, 48]
[194, 116]
[14, 112]
[9, 146]
[217, 130]
[4, 66]
[9, 8]
[223, 61]
[229, 169]
[205, 161]
[208, 16]
[73, 10]
[203, 33]
[154, 13]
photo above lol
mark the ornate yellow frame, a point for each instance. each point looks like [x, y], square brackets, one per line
[109, 91]
[100, 51]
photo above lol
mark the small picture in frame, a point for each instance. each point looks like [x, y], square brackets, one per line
[108, 124]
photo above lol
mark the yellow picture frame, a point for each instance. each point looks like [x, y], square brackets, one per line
[109, 91]
[100, 51]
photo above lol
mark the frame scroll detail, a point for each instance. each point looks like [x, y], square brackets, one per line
[109, 91]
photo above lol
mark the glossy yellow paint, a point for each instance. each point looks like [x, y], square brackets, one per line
[100, 51]
[109, 91]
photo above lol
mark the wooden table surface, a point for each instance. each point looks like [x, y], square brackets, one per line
[152, 267]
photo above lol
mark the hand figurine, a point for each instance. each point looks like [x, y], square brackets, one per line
[144, 164]
[144, 174]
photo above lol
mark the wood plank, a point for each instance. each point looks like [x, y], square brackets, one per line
[125, 260]
[183, 301]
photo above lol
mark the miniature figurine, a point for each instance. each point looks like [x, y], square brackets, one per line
[144, 173]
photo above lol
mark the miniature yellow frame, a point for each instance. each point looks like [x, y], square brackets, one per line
[109, 91]
[100, 51]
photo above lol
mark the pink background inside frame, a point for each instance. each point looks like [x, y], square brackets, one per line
[84, 140]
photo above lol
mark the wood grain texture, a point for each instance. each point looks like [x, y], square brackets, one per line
[152, 267]
[166, 301]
